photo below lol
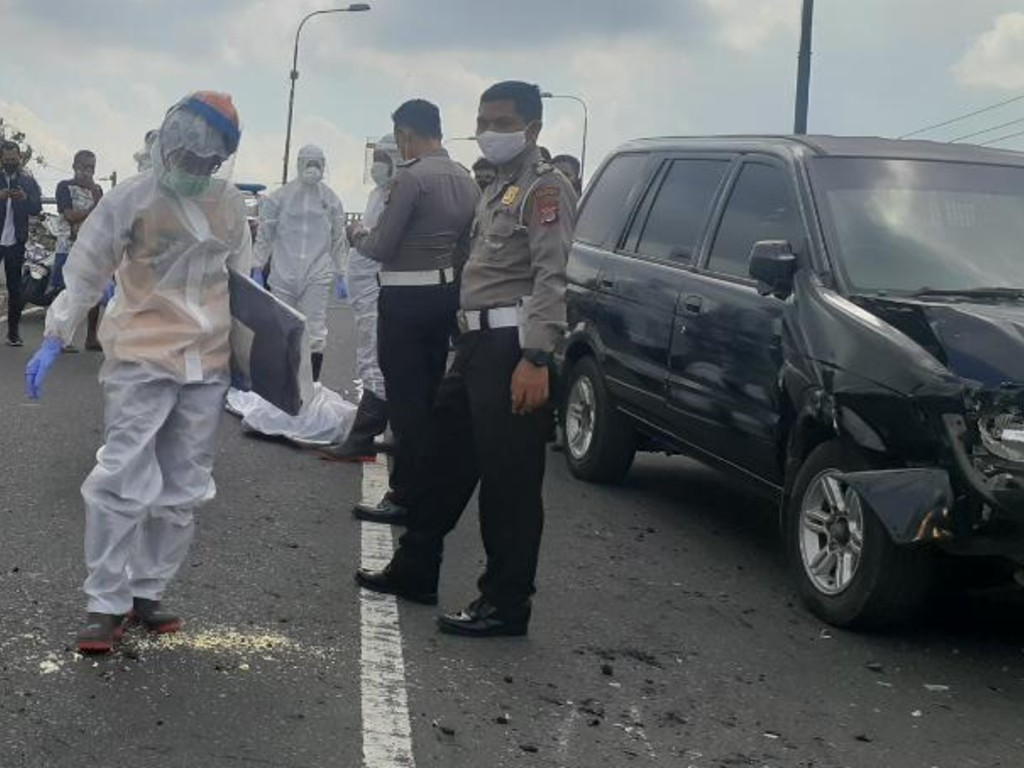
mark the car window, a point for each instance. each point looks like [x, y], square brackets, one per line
[904, 225]
[676, 222]
[760, 207]
[602, 212]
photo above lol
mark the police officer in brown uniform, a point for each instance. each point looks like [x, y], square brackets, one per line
[492, 416]
[421, 241]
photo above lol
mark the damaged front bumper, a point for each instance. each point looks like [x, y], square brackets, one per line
[913, 504]
[975, 507]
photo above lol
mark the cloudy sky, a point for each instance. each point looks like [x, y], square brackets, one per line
[97, 74]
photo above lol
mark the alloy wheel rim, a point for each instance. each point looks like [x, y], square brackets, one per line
[579, 421]
[831, 533]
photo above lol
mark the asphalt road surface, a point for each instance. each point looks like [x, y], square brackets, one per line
[665, 632]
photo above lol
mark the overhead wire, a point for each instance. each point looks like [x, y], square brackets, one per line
[988, 130]
[964, 116]
[1002, 138]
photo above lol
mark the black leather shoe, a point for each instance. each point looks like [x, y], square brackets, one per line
[348, 453]
[389, 582]
[371, 420]
[355, 452]
[483, 619]
[386, 512]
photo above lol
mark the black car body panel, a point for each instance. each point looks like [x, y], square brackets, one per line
[706, 364]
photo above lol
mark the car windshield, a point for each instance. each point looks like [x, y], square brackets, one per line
[914, 226]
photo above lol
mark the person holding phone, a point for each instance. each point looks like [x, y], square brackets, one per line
[20, 198]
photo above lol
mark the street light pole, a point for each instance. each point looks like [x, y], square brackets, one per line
[586, 120]
[803, 73]
[354, 8]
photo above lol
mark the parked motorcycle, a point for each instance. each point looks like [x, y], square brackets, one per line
[36, 275]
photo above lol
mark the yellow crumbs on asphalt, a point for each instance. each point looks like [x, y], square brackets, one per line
[227, 641]
[221, 640]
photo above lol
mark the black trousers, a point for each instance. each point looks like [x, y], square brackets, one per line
[414, 327]
[473, 437]
[13, 257]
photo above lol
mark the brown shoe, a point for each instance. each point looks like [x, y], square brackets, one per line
[101, 633]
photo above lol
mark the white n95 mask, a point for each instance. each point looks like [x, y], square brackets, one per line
[500, 148]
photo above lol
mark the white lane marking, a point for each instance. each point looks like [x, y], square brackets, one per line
[566, 731]
[387, 734]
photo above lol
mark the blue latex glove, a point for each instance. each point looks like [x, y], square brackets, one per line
[259, 277]
[108, 293]
[339, 288]
[39, 365]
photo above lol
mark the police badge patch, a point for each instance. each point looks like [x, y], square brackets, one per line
[545, 202]
[510, 195]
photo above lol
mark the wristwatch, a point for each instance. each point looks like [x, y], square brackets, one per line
[538, 357]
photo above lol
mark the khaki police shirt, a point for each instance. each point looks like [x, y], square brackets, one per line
[520, 246]
[427, 216]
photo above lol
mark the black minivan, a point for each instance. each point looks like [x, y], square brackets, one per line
[839, 321]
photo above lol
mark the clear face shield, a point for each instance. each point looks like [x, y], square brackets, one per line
[194, 161]
[381, 161]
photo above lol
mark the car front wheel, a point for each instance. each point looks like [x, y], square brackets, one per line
[599, 441]
[847, 568]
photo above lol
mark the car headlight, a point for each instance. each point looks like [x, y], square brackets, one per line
[1003, 435]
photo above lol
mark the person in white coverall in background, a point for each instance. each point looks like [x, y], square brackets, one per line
[143, 158]
[361, 282]
[169, 235]
[302, 234]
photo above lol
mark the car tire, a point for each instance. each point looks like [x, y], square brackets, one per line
[599, 442]
[881, 585]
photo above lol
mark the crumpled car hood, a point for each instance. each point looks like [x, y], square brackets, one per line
[983, 342]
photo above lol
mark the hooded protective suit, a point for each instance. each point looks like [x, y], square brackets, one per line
[168, 235]
[361, 281]
[361, 274]
[144, 158]
[302, 233]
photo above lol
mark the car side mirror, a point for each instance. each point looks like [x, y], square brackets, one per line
[773, 264]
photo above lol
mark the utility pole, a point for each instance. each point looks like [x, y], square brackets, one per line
[803, 73]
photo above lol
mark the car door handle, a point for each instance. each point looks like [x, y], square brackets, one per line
[604, 282]
[693, 304]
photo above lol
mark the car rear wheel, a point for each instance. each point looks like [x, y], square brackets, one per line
[847, 568]
[599, 442]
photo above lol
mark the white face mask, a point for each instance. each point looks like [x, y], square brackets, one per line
[380, 173]
[500, 148]
[312, 175]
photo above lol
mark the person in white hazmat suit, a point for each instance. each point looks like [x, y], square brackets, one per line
[361, 282]
[302, 234]
[143, 158]
[169, 236]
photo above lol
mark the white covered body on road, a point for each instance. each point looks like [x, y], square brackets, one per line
[325, 419]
